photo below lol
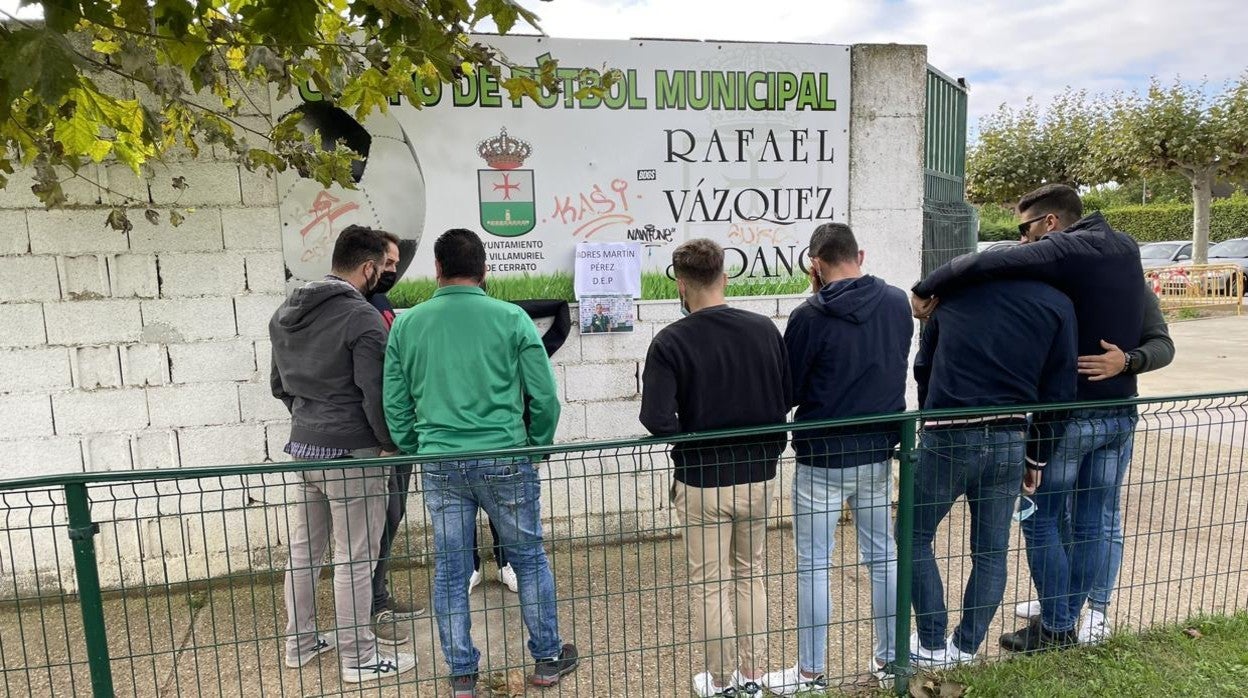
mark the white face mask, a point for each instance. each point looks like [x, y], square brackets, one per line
[684, 308]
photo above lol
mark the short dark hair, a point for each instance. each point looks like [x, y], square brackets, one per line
[699, 261]
[834, 243]
[357, 244]
[1058, 199]
[460, 254]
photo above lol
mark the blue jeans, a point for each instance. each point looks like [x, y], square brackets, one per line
[818, 495]
[1082, 479]
[985, 464]
[509, 492]
[1103, 588]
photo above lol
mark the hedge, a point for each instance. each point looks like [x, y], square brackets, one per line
[1156, 222]
[1160, 222]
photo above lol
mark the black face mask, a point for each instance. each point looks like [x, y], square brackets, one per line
[385, 281]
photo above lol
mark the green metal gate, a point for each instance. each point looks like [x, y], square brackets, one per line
[949, 223]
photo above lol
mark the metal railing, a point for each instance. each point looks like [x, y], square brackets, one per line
[170, 581]
[1198, 286]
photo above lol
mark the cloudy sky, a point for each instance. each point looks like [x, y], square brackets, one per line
[1007, 49]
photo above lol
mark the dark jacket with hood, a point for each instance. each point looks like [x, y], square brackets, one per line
[849, 348]
[328, 348]
[1097, 267]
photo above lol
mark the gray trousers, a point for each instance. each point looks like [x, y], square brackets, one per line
[353, 502]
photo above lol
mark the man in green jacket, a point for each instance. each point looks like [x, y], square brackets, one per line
[459, 368]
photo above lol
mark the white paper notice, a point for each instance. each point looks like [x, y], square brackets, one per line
[608, 269]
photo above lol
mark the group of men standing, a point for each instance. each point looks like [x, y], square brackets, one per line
[459, 373]
[1064, 316]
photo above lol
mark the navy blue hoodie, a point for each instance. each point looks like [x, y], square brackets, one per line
[849, 346]
[1000, 344]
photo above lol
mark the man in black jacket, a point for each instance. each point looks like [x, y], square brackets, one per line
[999, 344]
[1099, 269]
[849, 348]
[720, 368]
[328, 348]
[388, 610]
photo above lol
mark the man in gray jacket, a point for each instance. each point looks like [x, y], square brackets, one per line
[328, 349]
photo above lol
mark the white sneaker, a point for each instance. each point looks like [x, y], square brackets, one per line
[382, 666]
[474, 581]
[507, 576]
[704, 687]
[1094, 629]
[954, 656]
[921, 656]
[788, 682]
[323, 645]
[1027, 610]
[746, 686]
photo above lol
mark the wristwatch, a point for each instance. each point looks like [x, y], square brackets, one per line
[1132, 361]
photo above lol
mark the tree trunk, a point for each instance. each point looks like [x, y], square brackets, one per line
[1201, 196]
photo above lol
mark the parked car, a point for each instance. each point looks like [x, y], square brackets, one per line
[1232, 252]
[989, 245]
[1165, 254]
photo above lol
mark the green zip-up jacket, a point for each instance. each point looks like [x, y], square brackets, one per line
[458, 369]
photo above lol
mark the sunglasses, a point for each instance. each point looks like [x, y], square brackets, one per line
[1025, 225]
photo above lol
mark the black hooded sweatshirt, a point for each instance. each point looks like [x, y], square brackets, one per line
[328, 348]
[849, 349]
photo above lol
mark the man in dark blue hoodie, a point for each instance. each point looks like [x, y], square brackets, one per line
[1099, 269]
[998, 344]
[848, 346]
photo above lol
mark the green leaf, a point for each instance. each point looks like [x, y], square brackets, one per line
[42, 61]
[135, 14]
[107, 48]
[77, 134]
[175, 219]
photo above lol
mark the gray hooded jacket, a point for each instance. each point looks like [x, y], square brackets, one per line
[328, 347]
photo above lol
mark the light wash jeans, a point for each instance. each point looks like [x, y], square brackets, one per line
[510, 494]
[818, 495]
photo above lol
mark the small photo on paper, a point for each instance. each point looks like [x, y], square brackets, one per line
[601, 314]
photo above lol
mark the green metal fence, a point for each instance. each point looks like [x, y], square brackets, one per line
[170, 581]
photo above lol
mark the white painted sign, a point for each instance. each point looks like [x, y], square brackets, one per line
[746, 144]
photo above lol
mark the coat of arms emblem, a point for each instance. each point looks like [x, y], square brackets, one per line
[508, 203]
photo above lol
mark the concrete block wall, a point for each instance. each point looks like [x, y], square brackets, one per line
[148, 349]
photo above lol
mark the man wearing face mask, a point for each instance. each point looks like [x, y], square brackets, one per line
[388, 610]
[328, 349]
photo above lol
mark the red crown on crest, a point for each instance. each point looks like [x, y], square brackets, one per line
[504, 152]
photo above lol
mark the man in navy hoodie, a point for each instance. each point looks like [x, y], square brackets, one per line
[1099, 269]
[998, 344]
[848, 346]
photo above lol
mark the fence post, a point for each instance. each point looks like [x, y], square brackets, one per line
[907, 457]
[82, 532]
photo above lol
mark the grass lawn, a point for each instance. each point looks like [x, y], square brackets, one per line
[1204, 657]
[654, 286]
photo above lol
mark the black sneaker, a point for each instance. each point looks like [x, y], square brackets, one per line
[1036, 638]
[464, 686]
[549, 671]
